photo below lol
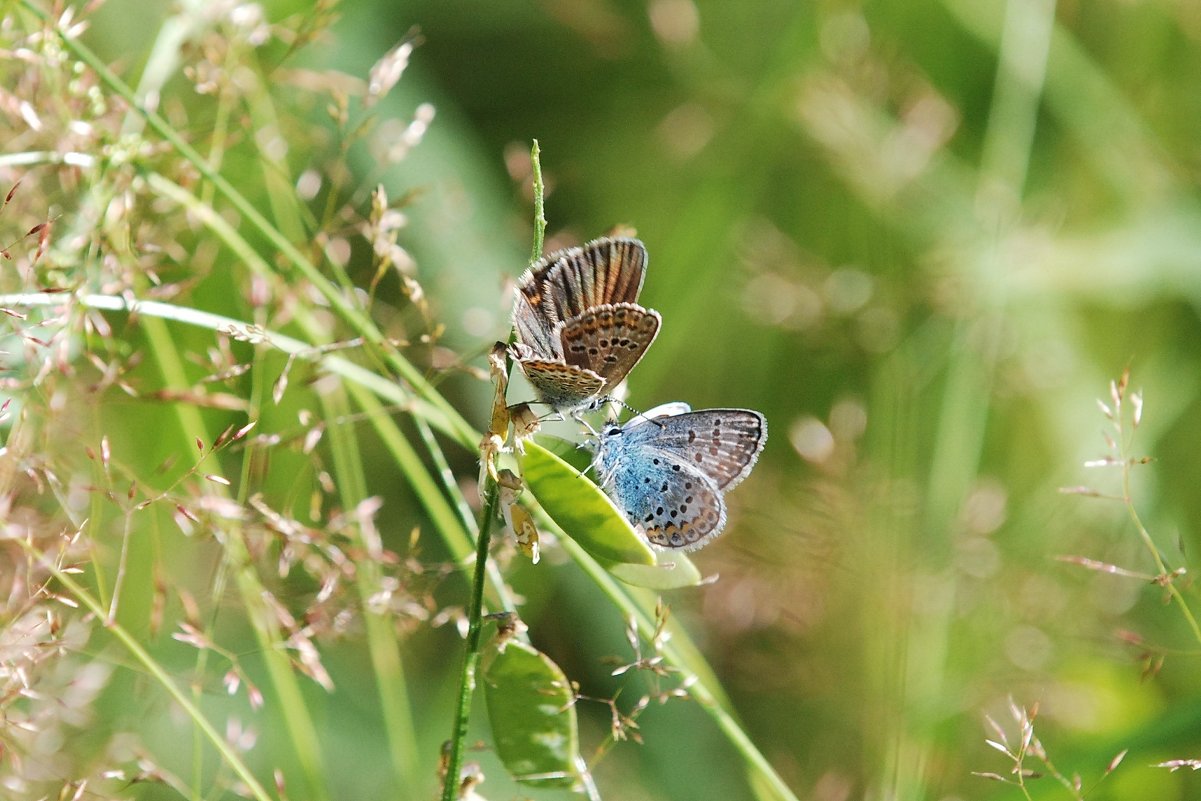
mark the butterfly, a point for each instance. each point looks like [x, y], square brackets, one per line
[667, 470]
[579, 327]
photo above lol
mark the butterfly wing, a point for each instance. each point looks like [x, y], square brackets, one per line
[561, 386]
[675, 505]
[568, 283]
[669, 409]
[609, 340]
[535, 330]
[604, 271]
[533, 291]
[723, 444]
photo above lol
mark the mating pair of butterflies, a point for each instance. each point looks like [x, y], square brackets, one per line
[580, 332]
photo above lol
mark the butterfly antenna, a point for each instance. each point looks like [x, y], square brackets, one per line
[633, 412]
[639, 413]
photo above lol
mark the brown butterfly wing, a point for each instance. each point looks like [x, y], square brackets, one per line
[568, 283]
[561, 386]
[609, 340]
[605, 271]
[535, 330]
[532, 285]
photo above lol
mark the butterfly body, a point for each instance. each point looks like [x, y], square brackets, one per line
[669, 469]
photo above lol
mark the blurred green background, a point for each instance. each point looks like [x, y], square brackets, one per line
[921, 237]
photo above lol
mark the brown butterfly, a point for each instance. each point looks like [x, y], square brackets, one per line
[580, 330]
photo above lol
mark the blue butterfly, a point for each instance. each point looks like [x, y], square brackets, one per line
[668, 469]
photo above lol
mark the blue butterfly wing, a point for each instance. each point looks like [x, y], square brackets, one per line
[723, 444]
[675, 505]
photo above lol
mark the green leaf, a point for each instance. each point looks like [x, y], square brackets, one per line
[672, 571]
[580, 508]
[532, 713]
[567, 450]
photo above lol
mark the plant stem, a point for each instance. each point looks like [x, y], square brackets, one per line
[377, 384]
[539, 203]
[683, 655]
[350, 314]
[231, 757]
[1145, 535]
[454, 764]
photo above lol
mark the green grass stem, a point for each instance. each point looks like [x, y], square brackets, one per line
[156, 671]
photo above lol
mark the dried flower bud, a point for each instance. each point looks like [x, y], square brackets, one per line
[525, 424]
[491, 446]
[516, 516]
